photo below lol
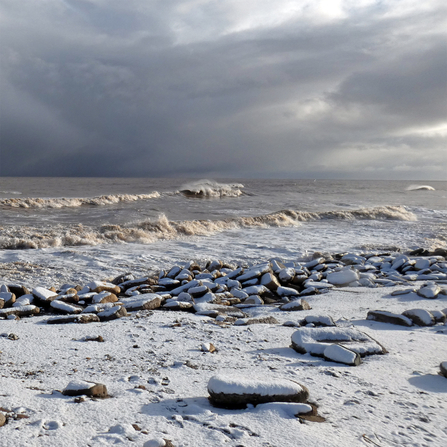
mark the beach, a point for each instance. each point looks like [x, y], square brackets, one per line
[156, 364]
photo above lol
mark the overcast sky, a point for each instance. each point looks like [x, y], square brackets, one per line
[224, 88]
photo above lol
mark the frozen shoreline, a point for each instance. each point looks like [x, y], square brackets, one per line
[393, 399]
[156, 372]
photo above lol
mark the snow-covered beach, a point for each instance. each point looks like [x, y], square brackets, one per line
[156, 364]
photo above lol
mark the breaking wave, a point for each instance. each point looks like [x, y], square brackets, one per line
[420, 188]
[151, 231]
[210, 188]
[72, 202]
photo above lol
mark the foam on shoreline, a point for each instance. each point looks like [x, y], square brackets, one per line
[24, 237]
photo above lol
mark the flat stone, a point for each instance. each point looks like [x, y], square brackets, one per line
[296, 305]
[234, 392]
[388, 317]
[81, 388]
[315, 340]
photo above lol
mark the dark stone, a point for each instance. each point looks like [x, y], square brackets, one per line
[95, 390]
[388, 317]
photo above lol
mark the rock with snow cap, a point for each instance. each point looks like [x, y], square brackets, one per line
[83, 388]
[388, 317]
[443, 369]
[420, 317]
[430, 290]
[342, 277]
[102, 286]
[295, 305]
[80, 318]
[113, 313]
[315, 340]
[238, 392]
[341, 354]
[20, 311]
[146, 301]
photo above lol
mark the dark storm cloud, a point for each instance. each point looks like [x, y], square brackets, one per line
[188, 88]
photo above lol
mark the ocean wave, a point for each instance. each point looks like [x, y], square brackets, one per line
[210, 188]
[146, 232]
[72, 202]
[420, 188]
[11, 192]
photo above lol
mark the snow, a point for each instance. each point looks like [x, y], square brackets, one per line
[393, 399]
[342, 277]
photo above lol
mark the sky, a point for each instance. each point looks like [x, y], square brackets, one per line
[225, 88]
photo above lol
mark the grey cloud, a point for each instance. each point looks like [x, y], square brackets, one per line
[107, 84]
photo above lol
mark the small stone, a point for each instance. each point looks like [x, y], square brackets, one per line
[2, 419]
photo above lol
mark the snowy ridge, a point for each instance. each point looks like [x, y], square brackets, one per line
[163, 229]
[72, 202]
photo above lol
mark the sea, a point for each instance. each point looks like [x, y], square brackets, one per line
[59, 230]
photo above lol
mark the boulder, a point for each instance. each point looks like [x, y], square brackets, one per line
[430, 290]
[343, 277]
[238, 392]
[315, 340]
[421, 317]
[112, 313]
[388, 317]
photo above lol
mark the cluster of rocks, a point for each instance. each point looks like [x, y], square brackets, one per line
[223, 289]
[418, 317]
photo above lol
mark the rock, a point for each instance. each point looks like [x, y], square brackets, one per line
[145, 301]
[296, 305]
[7, 299]
[44, 296]
[20, 311]
[80, 388]
[104, 297]
[238, 392]
[318, 320]
[443, 368]
[82, 318]
[101, 286]
[254, 300]
[316, 340]
[429, 290]
[342, 277]
[422, 264]
[262, 320]
[65, 308]
[341, 354]
[270, 281]
[112, 313]
[208, 347]
[421, 317]
[2, 419]
[388, 317]
[286, 291]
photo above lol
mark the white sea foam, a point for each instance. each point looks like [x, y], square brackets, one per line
[210, 188]
[420, 188]
[72, 202]
[11, 192]
[150, 231]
